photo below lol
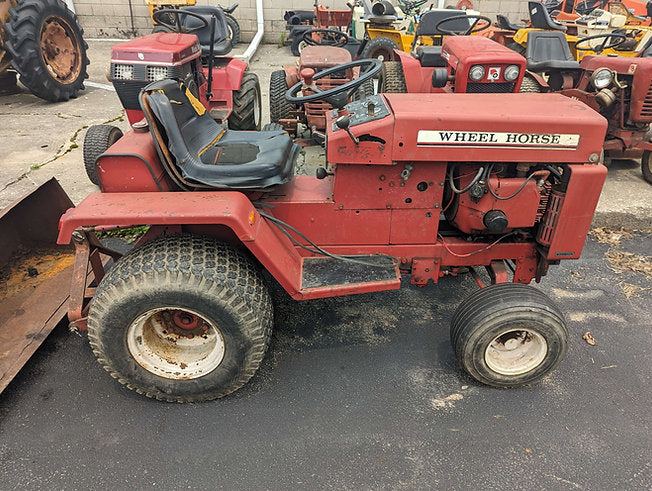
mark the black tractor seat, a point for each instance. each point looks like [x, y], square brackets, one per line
[221, 42]
[430, 56]
[506, 25]
[540, 18]
[197, 152]
[548, 50]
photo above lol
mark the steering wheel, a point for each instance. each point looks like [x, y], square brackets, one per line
[337, 96]
[470, 30]
[158, 18]
[335, 37]
[618, 40]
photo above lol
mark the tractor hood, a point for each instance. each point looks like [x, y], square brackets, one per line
[468, 128]
[165, 48]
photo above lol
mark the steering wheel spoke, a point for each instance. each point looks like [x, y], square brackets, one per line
[159, 17]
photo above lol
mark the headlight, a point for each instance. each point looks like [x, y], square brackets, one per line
[511, 73]
[602, 78]
[476, 73]
[123, 72]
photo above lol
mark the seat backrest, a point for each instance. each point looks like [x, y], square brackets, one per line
[431, 18]
[540, 18]
[547, 46]
[220, 37]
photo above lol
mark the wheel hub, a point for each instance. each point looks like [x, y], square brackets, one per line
[175, 343]
[60, 52]
[516, 351]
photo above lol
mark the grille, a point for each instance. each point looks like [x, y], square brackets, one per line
[550, 219]
[646, 108]
[123, 72]
[498, 87]
[157, 73]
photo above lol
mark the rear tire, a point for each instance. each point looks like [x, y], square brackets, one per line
[508, 335]
[98, 139]
[297, 45]
[279, 107]
[530, 85]
[58, 73]
[646, 166]
[381, 48]
[135, 333]
[392, 79]
[273, 127]
[234, 28]
[246, 114]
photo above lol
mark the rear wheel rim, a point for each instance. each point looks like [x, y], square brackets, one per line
[516, 351]
[60, 50]
[175, 343]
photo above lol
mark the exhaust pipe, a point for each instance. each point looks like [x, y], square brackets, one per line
[383, 8]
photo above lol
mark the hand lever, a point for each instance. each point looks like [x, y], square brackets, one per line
[343, 123]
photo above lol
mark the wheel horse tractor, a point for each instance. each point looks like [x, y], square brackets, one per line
[463, 63]
[418, 185]
[324, 50]
[223, 85]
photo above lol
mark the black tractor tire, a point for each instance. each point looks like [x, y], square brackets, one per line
[273, 127]
[98, 139]
[392, 79]
[279, 107]
[27, 23]
[646, 166]
[246, 114]
[517, 47]
[381, 48]
[234, 28]
[298, 44]
[508, 313]
[160, 28]
[214, 280]
[530, 85]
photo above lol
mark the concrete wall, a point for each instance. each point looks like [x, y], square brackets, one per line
[126, 18]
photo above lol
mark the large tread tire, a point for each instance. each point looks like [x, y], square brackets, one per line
[234, 28]
[297, 45]
[279, 107]
[646, 166]
[392, 79]
[98, 139]
[381, 48]
[246, 114]
[183, 271]
[23, 35]
[530, 85]
[499, 308]
[273, 127]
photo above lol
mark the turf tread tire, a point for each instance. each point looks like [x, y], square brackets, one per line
[378, 46]
[392, 78]
[646, 166]
[279, 107]
[530, 85]
[245, 101]
[210, 272]
[486, 305]
[22, 32]
[97, 140]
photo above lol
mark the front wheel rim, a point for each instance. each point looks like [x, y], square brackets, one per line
[175, 343]
[516, 351]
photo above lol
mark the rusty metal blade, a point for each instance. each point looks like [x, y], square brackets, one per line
[35, 275]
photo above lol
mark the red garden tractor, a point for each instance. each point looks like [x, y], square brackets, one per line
[324, 50]
[463, 63]
[223, 85]
[418, 185]
[619, 88]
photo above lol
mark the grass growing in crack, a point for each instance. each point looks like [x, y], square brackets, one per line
[129, 234]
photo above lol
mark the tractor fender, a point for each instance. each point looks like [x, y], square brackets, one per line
[539, 79]
[291, 74]
[230, 209]
[418, 79]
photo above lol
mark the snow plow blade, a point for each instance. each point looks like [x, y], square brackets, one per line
[35, 275]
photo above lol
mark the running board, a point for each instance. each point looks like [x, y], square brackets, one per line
[330, 277]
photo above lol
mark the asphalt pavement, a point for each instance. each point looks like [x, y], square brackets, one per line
[358, 392]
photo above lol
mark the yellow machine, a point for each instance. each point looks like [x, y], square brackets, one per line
[614, 32]
[154, 5]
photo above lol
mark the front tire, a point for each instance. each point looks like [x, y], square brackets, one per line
[646, 166]
[508, 335]
[47, 49]
[279, 107]
[392, 79]
[181, 319]
[98, 139]
[246, 114]
[530, 85]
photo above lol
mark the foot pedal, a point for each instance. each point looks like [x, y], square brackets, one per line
[326, 276]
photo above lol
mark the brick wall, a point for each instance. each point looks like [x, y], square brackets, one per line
[126, 18]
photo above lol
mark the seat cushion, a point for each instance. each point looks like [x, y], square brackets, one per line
[198, 152]
[221, 42]
[430, 56]
[549, 50]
